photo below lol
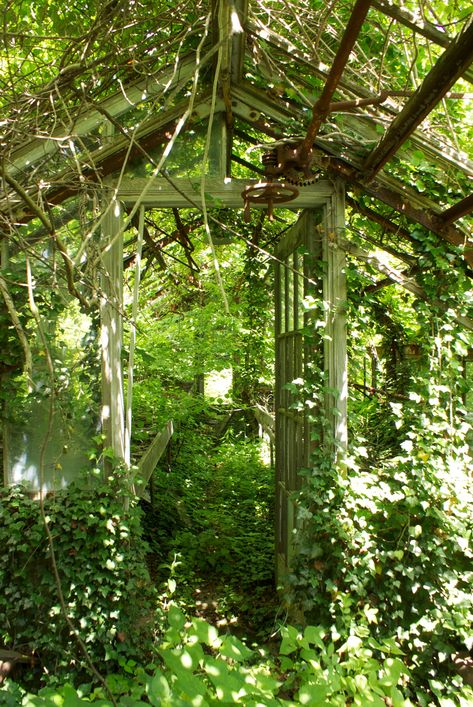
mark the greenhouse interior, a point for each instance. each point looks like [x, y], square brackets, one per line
[236, 357]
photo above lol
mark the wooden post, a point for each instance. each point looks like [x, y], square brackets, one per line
[335, 341]
[111, 309]
[131, 356]
[4, 254]
[218, 151]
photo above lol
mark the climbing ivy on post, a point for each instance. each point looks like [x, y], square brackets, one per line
[255, 317]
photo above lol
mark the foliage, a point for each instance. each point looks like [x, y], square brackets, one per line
[253, 359]
[213, 507]
[385, 546]
[99, 555]
[385, 534]
[199, 666]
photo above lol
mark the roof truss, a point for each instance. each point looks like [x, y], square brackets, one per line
[452, 64]
[231, 95]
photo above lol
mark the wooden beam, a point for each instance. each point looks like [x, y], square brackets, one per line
[266, 420]
[229, 19]
[406, 18]
[451, 65]
[147, 463]
[461, 208]
[185, 193]
[238, 14]
[218, 150]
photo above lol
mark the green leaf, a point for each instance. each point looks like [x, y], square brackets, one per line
[313, 694]
[175, 617]
[315, 635]
[233, 648]
[191, 687]
[369, 699]
[205, 633]
[397, 698]
[229, 686]
[158, 690]
[290, 638]
[393, 669]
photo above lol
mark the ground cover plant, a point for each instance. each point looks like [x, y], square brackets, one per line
[196, 664]
[213, 512]
[76, 590]
[373, 637]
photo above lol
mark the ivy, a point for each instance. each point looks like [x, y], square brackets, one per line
[100, 557]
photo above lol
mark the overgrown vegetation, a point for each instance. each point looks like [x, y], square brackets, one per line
[382, 573]
[169, 599]
[198, 665]
[212, 510]
[97, 549]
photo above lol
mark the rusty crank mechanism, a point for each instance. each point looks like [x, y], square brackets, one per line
[288, 159]
[296, 155]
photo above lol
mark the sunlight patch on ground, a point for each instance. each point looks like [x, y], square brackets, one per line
[266, 452]
[218, 384]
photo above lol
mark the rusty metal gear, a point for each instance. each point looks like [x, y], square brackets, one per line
[287, 160]
[293, 176]
[269, 193]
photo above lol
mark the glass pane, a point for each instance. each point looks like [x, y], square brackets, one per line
[48, 439]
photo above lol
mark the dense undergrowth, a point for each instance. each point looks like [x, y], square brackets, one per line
[212, 520]
[386, 611]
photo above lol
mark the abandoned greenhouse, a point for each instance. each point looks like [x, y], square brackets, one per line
[236, 279]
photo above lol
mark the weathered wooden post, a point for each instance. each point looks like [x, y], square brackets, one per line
[335, 333]
[111, 310]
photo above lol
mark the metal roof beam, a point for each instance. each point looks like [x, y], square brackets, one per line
[378, 218]
[321, 107]
[451, 65]
[425, 144]
[424, 217]
[461, 208]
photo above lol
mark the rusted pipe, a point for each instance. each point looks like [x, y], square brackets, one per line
[321, 107]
